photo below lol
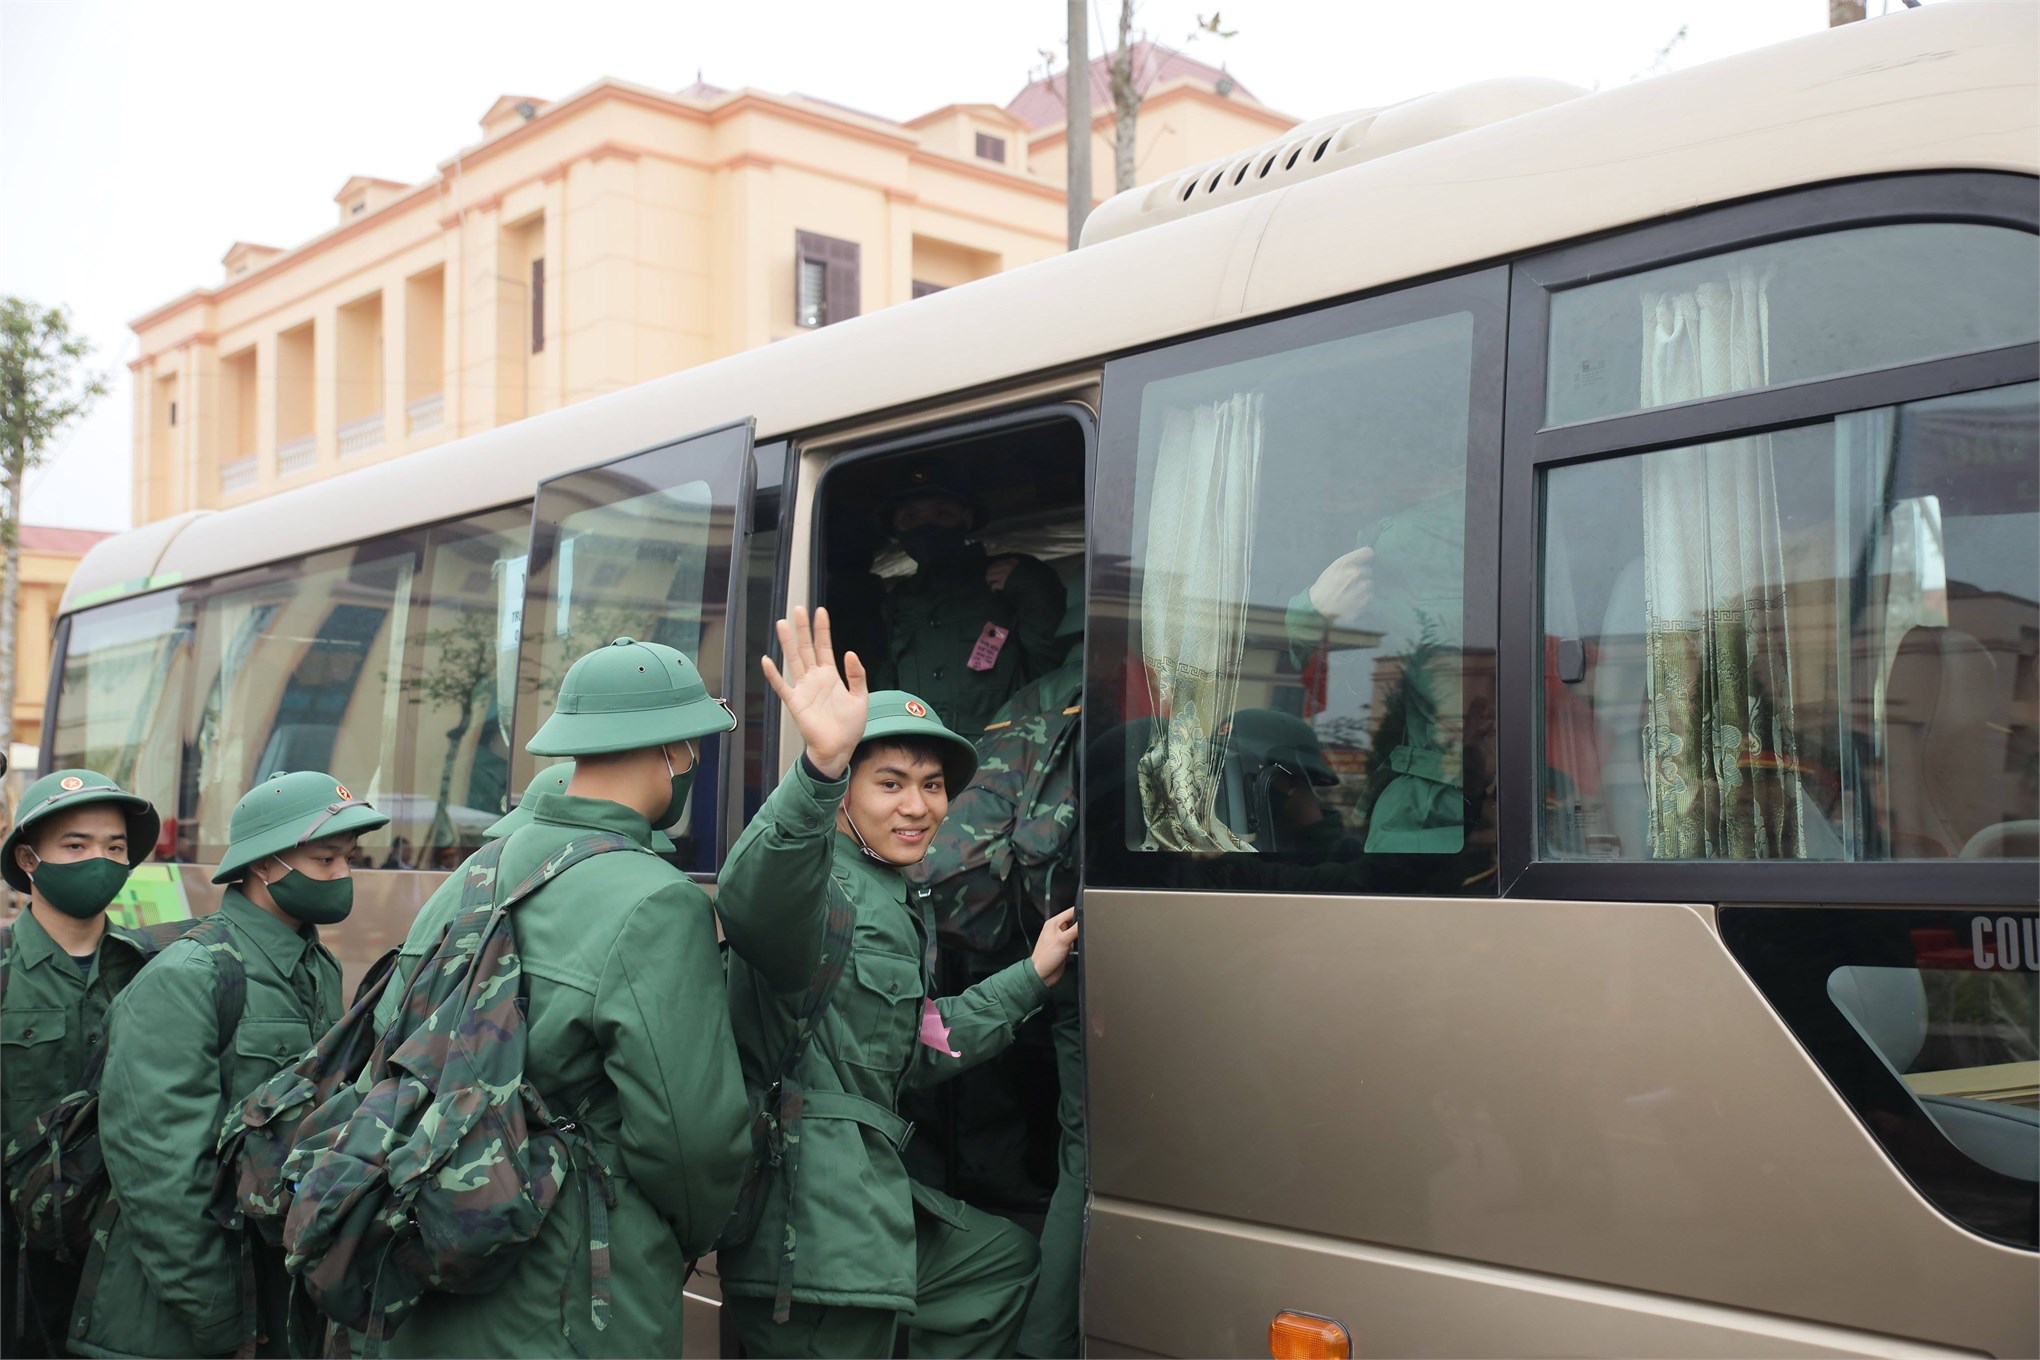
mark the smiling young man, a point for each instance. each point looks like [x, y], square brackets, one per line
[77, 839]
[172, 1279]
[847, 1246]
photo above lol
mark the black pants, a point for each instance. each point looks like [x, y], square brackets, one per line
[35, 1319]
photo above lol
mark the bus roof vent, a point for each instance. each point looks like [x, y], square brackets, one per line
[1321, 147]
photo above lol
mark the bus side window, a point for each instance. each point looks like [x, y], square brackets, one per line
[1299, 703]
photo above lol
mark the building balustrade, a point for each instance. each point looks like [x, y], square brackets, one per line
[238, 475]
[426, 413]
[297, 455]
[359, 436]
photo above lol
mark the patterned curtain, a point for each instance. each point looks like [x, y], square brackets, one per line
[1193, 611]
[1720, 749]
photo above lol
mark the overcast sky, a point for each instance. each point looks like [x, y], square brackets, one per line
[139, 140]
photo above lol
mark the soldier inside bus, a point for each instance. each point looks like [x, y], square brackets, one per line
[966, 630]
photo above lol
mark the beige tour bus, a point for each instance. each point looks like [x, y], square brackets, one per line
[1616, 519]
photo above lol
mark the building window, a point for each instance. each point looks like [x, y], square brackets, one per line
[173, 413]
[538, 305]
[825, 281]
[922, 287]
[990, 148]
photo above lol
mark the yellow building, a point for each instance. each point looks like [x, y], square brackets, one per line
[591, 242]
[48, 557]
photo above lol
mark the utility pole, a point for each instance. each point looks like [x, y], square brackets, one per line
[1077, 123]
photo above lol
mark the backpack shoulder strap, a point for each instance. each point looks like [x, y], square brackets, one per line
[565, 858]
[215, 935]
[6, 957]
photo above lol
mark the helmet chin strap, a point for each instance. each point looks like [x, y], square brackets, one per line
[863, 844]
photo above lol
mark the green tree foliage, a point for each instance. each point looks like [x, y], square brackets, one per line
[44, 387]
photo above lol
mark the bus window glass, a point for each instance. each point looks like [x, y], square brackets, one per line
[1927, 1021]
[298, 666]
[121, 692]
[1789, 311]
[1300, 707]
[636, 548]
[1819, 643]
[452, 774]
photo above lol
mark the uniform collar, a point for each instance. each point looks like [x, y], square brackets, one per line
[279, 943]
[32, 943]
[598, 814]
[883, 877]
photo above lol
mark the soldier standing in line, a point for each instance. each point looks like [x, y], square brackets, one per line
[848, 1246]
[215, 1015]
[966, 629]
[627, 1022]
[61, 965]
[444, 904]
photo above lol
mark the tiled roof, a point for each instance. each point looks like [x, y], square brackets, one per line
[51, 539]
[1040, 105]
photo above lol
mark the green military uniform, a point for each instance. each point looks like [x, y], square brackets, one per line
[444, 904]
[1419, 570]
[170, 1278]
[627, 1027]
[53, 1010]
[872, 1247]
[935, 622]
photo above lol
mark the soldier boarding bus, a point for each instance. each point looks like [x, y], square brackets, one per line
[1560, 582]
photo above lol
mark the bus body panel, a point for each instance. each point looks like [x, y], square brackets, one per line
[1199, 1286]
[1583, 1089]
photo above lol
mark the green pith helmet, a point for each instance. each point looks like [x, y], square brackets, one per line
[627, 696]
[921, 484]
[553, 779]
[896, 713]
[1275, 738]
[63, 790]
[289, 810]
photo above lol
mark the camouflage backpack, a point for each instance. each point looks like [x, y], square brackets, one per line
[438, 1167]
[249, 1189]
[1010, 838]
[55, 1173]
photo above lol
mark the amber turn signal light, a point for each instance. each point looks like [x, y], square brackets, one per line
[1305, 1336]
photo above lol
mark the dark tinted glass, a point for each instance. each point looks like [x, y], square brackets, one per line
[297, 666]
[1282, 693]
[1817, 643]
[122, 691]
[636, 548]
[1926, 1023]
[453, 769]
[1789, 311]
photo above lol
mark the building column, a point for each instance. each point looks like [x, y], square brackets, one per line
[899, 225]
[396, 310]
[142, 378]
[326, 388]
[551, 391]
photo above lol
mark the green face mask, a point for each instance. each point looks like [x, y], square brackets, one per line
[681, 785]
[82, 888]
[315, 901]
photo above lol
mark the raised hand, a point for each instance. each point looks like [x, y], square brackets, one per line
[828, 708]
[1346, 587]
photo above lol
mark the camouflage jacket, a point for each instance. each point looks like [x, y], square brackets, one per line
[171, 1280]
[53, 1016]
[854, 1205]
[1005, 858]
[627, 1025]
[934, 619]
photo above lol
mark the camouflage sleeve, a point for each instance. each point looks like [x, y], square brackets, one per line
[771, 893]
[159, 1112]
[981, 1023]
[664, 1029]
[1038, 597]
